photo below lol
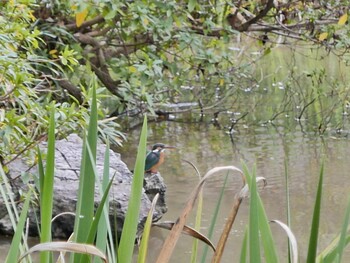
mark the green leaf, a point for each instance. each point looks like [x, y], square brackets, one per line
[86, 193]
[243, 257]
[146, 232]
[191, 5]
[312, 250]
[194, 251]
[46, 197]
[19, 230]
[264, 226]
[99, 212]
[104, 223]
[254, 241]
[214, 218]
[343, 234]
[126, 247]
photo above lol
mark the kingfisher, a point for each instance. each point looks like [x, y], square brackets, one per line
[155, 157]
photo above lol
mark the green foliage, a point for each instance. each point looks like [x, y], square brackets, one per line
[26, 87]
[144, 53]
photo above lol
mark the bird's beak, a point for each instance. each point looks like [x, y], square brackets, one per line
[169, 147]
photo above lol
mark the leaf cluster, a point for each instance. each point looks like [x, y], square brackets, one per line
[26, 85]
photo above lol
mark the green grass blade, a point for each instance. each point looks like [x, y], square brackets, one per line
[287, 205]
[126, 246]
[16, 240]
[41, 171]
[104, 224]
[243, 257]
[197, 226]
[329, 254]
[99, 212]
[312, 250]
[10, 204]
[146, 232]
[46, 197]
[264, 226]
[254, 241]
[342, 239]
[86, 193]
[214, 219]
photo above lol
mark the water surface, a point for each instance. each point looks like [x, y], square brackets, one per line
[268, 149]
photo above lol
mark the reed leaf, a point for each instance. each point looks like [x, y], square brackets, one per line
[146, 232]
[214, 218]
[173, 236]
[188, 231]
[312, 249]
[86, 193]
[7, 196]
[10, 204]
[19, 230]
[46, 196]
[126, 246]
[229, 222]
[99, 212]
[67, 247]
[104, 223]
[343, 233]
[41, 171]
[244, 249]
[254, 241]
[292, 240]
[287, 205]
[264, 227]
[197, 225]
[329, 254]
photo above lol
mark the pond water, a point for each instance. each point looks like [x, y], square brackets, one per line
[269, 149]
[271, 139]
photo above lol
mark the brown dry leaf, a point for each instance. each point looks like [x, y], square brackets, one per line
[170, 242]
[186, 230]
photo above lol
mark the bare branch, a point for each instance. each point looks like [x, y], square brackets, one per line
[255, 19]
[72, 89]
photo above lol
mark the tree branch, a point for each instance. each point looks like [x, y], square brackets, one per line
[255, 19]
[72, 89]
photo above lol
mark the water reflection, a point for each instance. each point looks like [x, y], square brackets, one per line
[268, 148]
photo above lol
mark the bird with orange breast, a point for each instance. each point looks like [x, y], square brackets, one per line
[155, 157]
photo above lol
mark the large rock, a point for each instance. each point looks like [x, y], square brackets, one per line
[68, 158]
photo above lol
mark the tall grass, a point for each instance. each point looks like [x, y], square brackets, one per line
[94, 227]
[46, 187]
[126, 246]
[89, 224]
